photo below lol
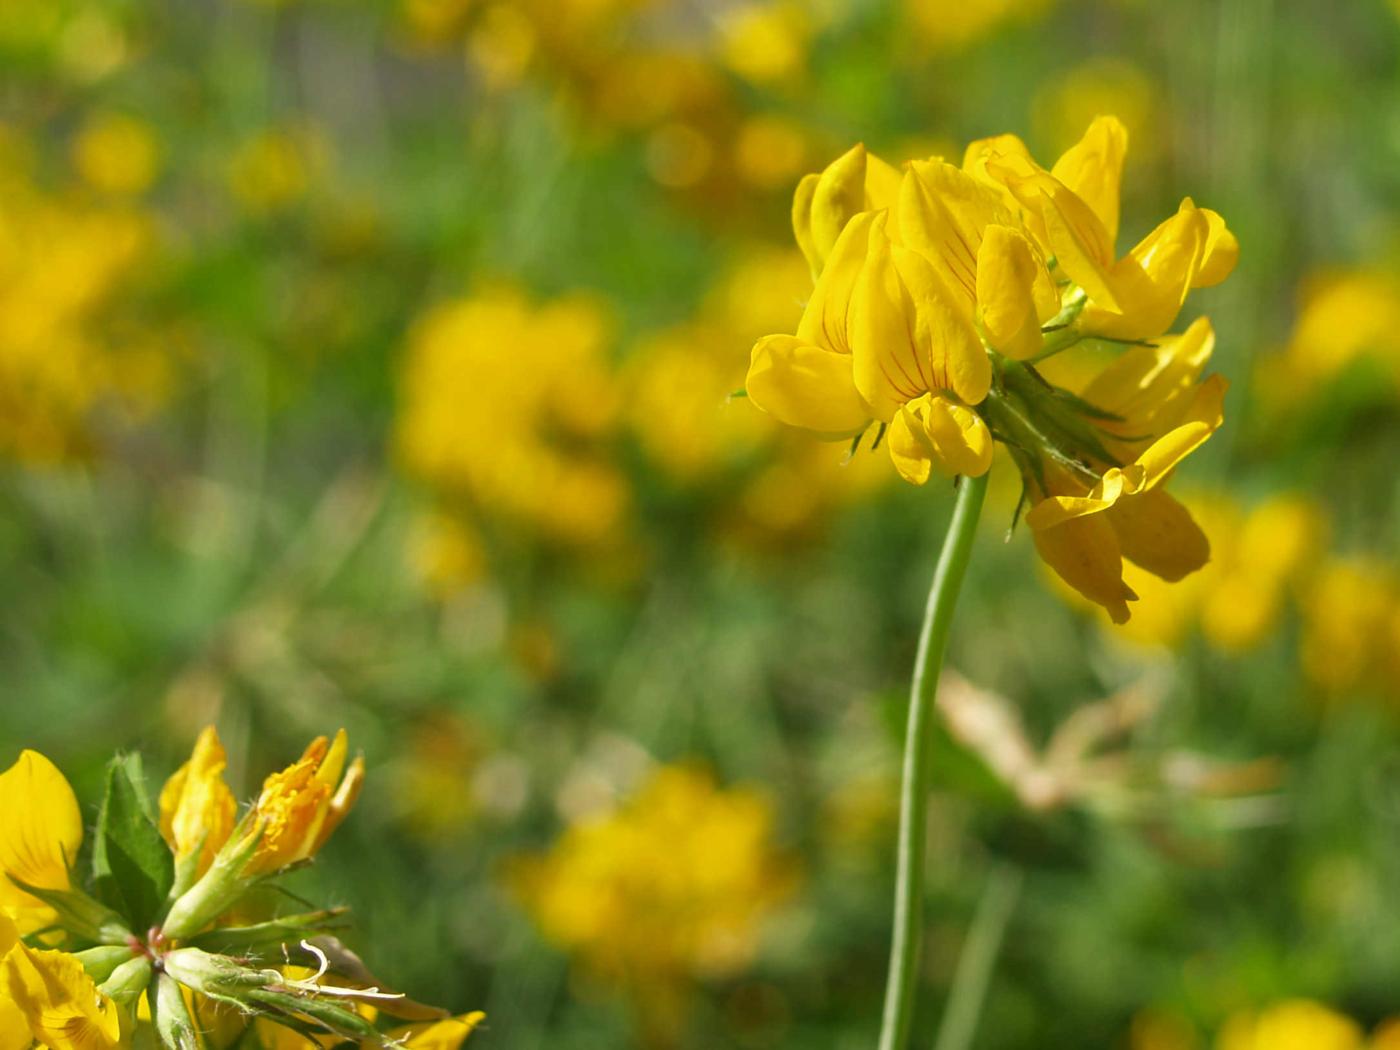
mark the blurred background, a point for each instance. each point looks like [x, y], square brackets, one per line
[368, 362]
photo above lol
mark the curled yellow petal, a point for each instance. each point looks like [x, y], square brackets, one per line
[891, 364]
[805, 386]
[1150, 284]
[1203, 417]
[854, 182]
[1092, 170]
[911, 452]
[961, 440]
[41, 829]
[1006, 276]
[58, 1001]
[1084, 552]
[933, 431]
[197, 808]
[1222, 252]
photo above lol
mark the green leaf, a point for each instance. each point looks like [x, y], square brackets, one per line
[131, 863]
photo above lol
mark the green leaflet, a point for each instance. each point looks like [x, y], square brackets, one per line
[131, 863]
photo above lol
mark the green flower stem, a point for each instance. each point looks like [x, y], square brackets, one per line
[913, 805]
[978, 958]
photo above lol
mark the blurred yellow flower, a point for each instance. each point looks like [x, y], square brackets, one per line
[1351, 626]
[765, 42]
[447, 553]
[116, 153]
[63, 263]
[510, 408]
[41, 830]
[769, 151]
[1344, 316]
[274, 168]
[1065, 105]
[952, 24]
[1293, 1025]
[673, 886]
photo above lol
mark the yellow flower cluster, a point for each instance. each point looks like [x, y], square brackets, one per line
[65, 351]
[80, 972]
[510, 407]
[678, 383]
[950, 25]
[1293, 1024]
[1351, 627]
[675, 885]
[1345, 317]
[938, 287]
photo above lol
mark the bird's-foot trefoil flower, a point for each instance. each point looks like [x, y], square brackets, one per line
[164, 934]
[941, 287]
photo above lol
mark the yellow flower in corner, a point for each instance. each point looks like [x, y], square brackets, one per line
[196, 807]
[939, 289]
[41, 829]
[58, 1002]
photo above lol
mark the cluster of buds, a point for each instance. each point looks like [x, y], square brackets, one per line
[164, 941]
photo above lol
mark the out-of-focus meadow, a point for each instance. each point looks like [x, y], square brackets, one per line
[369, 364]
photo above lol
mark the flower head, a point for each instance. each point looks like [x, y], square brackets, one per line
[939, 289]
[149, 951]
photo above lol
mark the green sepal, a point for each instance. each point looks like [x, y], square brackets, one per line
[102, 961]
[331, 1016]
[172, 1017]
[80, 915]
[132, 866]
[252, 940]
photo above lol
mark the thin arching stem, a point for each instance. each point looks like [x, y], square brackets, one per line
[914, 789]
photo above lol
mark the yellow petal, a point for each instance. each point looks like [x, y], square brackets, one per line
[197, 809]
[1084, 552]
[1203, 417]
[911, 451]
[825, 321]
[1222, 252]
[1092, 170]
[14, 1030]
[41, 829]
[58, 1000]
[854, 182]
[942, 214]
[1150, 284]
[1006, 274]
[961, 441]
[944, 334]
[1079, 242]
[1054, 510]
[837, 197]
[805, 386]
[891, 365]
[1158, 534]
[1148, 387]
[439, 1035]
[802, 222]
